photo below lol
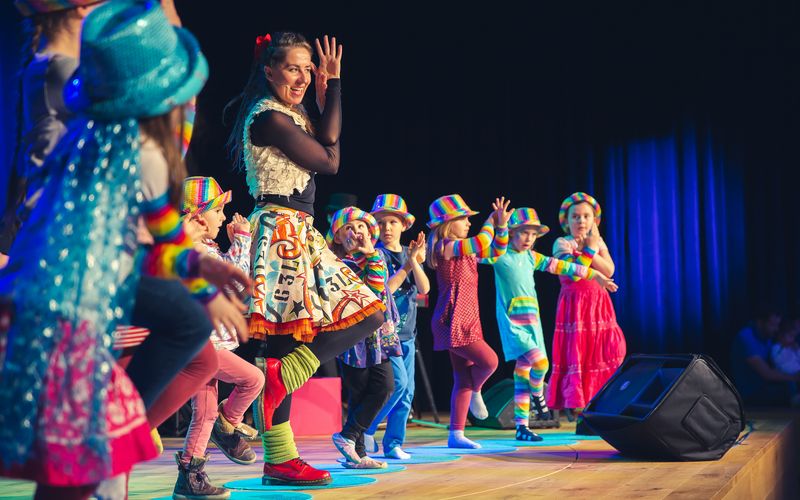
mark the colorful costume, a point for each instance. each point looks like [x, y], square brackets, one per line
[588, 344]
[517, 311]
[456, 322]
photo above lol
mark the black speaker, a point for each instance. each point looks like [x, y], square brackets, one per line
[677, 407]
[499, 401]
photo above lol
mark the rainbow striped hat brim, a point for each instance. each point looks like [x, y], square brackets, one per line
[448, 208]
[201, 194]
[350, 214]
[574, 199]
[393, 204]
[526, 216]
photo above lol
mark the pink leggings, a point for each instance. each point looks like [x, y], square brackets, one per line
[248, 381]
[188, 381]
[473, 364]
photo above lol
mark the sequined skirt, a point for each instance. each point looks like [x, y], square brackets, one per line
[301, 287]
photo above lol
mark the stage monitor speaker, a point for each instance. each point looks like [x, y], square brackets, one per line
[499, 401]
[672, 407]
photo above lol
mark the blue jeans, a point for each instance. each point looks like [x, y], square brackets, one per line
[397, 409]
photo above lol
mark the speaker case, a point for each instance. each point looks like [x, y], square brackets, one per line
[698, 417]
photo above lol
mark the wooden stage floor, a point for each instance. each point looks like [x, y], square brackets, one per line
[764, 465]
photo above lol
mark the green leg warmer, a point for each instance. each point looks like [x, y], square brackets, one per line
[297, 367]
[279, 444]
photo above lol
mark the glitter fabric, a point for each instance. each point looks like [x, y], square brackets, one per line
[70, 280]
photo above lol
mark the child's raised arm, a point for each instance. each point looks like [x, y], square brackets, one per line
[490, 241]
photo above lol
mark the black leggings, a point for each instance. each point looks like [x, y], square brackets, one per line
[368, 390]
[325, 347]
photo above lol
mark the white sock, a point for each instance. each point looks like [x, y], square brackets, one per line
[458, 440]
[112, 488]
[477, 406]
[397, 453]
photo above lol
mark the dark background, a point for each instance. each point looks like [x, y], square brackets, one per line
[681, 118]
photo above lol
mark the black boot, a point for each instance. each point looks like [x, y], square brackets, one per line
[193, 483]
[542, 411]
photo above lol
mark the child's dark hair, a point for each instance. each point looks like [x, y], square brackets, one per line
[161, 129]
[257, 87]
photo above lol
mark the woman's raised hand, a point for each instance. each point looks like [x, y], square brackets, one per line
[501, 211]
[330, 66]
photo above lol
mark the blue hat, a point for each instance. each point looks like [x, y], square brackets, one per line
[133, 63]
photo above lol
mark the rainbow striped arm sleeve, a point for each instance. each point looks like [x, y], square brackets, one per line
[173, 255]
[584, 258]
[561, 267]
[486, 244]
[373, 271]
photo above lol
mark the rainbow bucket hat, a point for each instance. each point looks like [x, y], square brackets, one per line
[526, 216]
[574, 199]
[350, 214]
[393, 204]
[201, 194]
[447, 208]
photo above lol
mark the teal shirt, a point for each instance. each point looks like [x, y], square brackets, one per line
[517, 306]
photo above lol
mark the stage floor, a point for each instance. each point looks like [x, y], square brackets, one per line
[764, 465]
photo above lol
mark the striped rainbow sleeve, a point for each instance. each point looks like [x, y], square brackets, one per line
[561, 267]
[173, 255]
[584, 258]
[372, 272]
[486, 244]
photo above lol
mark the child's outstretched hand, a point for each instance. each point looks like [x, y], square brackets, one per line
[416, 249]
[501, 211]
[237, 223]
[605, 281]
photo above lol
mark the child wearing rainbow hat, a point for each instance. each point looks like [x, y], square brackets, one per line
[406, 280]
[588, 344]
[203, 208]
[517, 312]
[366, 370]
[456, 322]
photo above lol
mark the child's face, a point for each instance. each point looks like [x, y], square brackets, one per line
[523, 238]
[214, 219]
[350, 230]
[581, 219]
[391, 228]
[459, 227]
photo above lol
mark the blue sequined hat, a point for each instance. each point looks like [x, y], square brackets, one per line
[133, 63]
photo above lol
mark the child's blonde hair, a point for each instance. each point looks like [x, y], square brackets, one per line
[436, 240]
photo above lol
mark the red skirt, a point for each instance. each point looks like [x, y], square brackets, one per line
[588, 344]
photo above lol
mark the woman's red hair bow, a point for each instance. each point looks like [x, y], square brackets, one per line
[262, 42]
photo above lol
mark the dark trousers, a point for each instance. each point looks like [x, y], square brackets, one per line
[368, 390]
[179, 329]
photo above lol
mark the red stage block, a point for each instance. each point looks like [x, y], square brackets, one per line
[317, 407]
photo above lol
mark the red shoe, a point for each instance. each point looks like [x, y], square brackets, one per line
[274, 390]
[294, 472]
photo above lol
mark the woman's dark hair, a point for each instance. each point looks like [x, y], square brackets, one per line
[161, 129]
[257, 87]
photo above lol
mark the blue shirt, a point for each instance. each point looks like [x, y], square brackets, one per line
[405, 296]
[746, 345]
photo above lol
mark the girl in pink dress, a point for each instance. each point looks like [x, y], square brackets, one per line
[456, 323]
[588, 344]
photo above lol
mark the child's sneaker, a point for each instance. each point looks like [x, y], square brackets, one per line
[346, 447]
[525, 434]
[366, 463]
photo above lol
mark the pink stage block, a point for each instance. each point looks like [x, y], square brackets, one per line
[317, 407]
